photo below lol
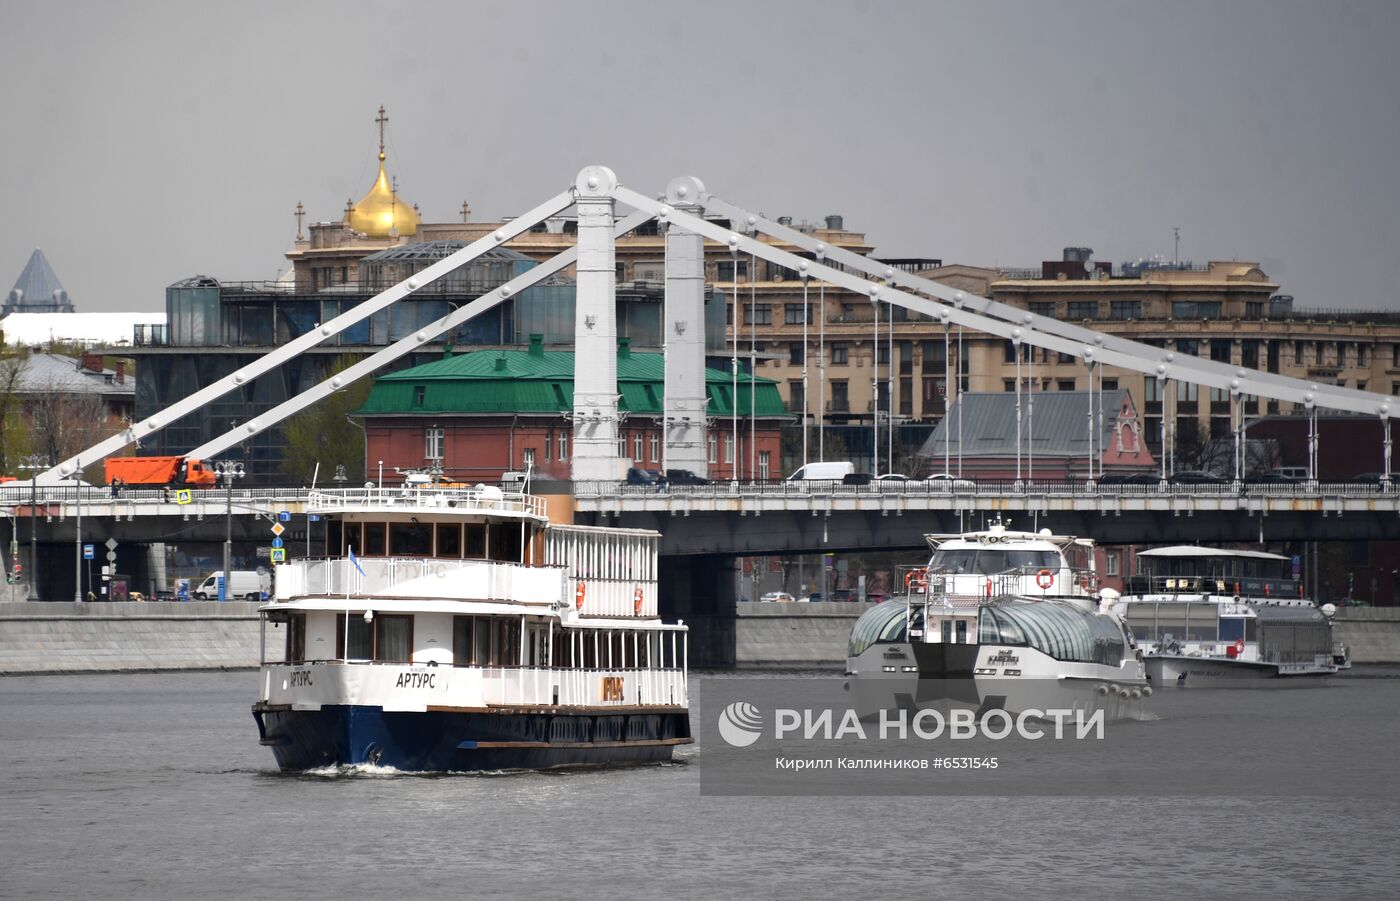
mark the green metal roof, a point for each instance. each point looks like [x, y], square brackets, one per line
[542, 382]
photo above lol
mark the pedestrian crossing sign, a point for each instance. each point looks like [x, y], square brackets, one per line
[279, 555]
[184, 496]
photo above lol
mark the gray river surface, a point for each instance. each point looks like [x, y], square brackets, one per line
[154, 786]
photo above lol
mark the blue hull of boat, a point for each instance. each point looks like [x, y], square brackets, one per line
[446, 741]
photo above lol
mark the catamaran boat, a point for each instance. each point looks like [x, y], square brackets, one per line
[460, 629]
[1214, 616]
[997, 619]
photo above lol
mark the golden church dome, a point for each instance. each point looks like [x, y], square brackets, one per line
[380, 213]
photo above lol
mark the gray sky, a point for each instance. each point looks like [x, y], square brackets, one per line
[147, 142]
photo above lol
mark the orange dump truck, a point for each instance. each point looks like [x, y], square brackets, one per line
[159, 471]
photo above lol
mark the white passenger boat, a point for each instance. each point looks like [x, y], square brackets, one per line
[1211, 616]
[454, 630]
[997, 619]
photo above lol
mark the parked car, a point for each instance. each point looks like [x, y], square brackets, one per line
[943, 481]
[892, 477]
[1129, 478]
[857, 478]
[776, 597]
[685, 477]
[842, 594]
[1194, 477]
[637, 476]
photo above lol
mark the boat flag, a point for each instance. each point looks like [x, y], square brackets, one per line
[354, 562]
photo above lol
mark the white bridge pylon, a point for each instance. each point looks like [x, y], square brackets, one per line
[597, 188]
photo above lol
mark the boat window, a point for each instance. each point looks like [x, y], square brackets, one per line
[1062, 632]
[962, 631]
[947, 631]
[1202, 625]
[360, 643]
[449, 540]
[1034, 559]
[353, 538]
[883, 623]
[410, 539]
[335, 540]
[481, 641]
[1231, 628]
[476, 541]
[986, 561]
[393, 638]
[374, 539]
[461, 641]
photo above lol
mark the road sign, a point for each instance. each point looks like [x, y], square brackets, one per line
[111, 556]
[284, 516]
[277, 542]
[111, 544]
[314, 518]
[279, 555]
[278, 528]
[87, 552]
[184, 496]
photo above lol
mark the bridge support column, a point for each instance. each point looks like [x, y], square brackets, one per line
[700, 590]
[684, 335]
[596, 421]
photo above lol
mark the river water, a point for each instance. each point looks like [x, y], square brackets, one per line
[154, 786]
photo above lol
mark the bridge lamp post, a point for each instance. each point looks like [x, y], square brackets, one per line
[228, 470]
[33, 463]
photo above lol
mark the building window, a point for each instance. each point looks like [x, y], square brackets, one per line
[1064, 358]
[763, 464]
[712, 456]
[906, 397]
[796, 353]
[729, 449]
[1008, 352]
[882, 352]
[1298, 353]
[1249, 353]
[1190, 346]
[1317, 353]
[1108, 384]
[1195, 309]
[527, 458]
[840, 402]
[1220, 350]
[797, 400]
[1043, 308]
[934, 356]
[420, 394]
[433, 439]
[839, 353]
[1008, 385]
[1083, 309]
[620, 272]
[1110, 561]
[724, 270]
[622, 445]
[563, 447]
[758, 314]
[1253, 309]
[1360, 355]
[1064, 384]
[792, 313]
[1125, 309]
[1395, 356]
[637, 446]
[655, 447]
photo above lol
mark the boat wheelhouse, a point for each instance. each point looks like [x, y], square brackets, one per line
[1213, 615]
[452, 630]
[997, 618]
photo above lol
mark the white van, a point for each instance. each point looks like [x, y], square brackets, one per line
[828, 472]
[246, 584]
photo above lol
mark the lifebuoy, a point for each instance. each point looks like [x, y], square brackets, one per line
[578, 596]
[637, 601]
[916, 581]
[1044, 579]
[1239, 646]
[1086, 581]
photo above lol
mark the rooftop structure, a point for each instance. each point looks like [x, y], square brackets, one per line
[37, 290]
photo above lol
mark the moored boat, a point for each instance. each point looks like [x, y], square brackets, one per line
[1214, 616]
[455, 630]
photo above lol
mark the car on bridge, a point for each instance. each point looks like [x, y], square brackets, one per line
[1129, 478]
[685, 477]
[944, 481]
[1195, 477]
[779, 597]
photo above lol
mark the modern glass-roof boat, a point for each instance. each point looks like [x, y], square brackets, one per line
[461, 629]
[997, 619]
[1208, 616]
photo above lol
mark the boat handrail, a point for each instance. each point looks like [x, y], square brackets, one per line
[480, 499]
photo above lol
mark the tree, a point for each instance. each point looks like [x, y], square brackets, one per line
[15, 435]
[325, 434]
[65, 422]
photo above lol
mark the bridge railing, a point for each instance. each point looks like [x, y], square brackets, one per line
[985, 487]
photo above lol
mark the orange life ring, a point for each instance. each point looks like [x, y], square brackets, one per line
[916, 580]
[637, 601]
[1044, 579]
[1239, 646]
[578, 596]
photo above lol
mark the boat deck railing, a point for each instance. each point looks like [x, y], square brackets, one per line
[420, 577]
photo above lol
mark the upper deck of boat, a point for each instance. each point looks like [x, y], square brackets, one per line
[440, 503]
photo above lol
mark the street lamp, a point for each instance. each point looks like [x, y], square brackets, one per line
[228, 470]
[34, 463]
